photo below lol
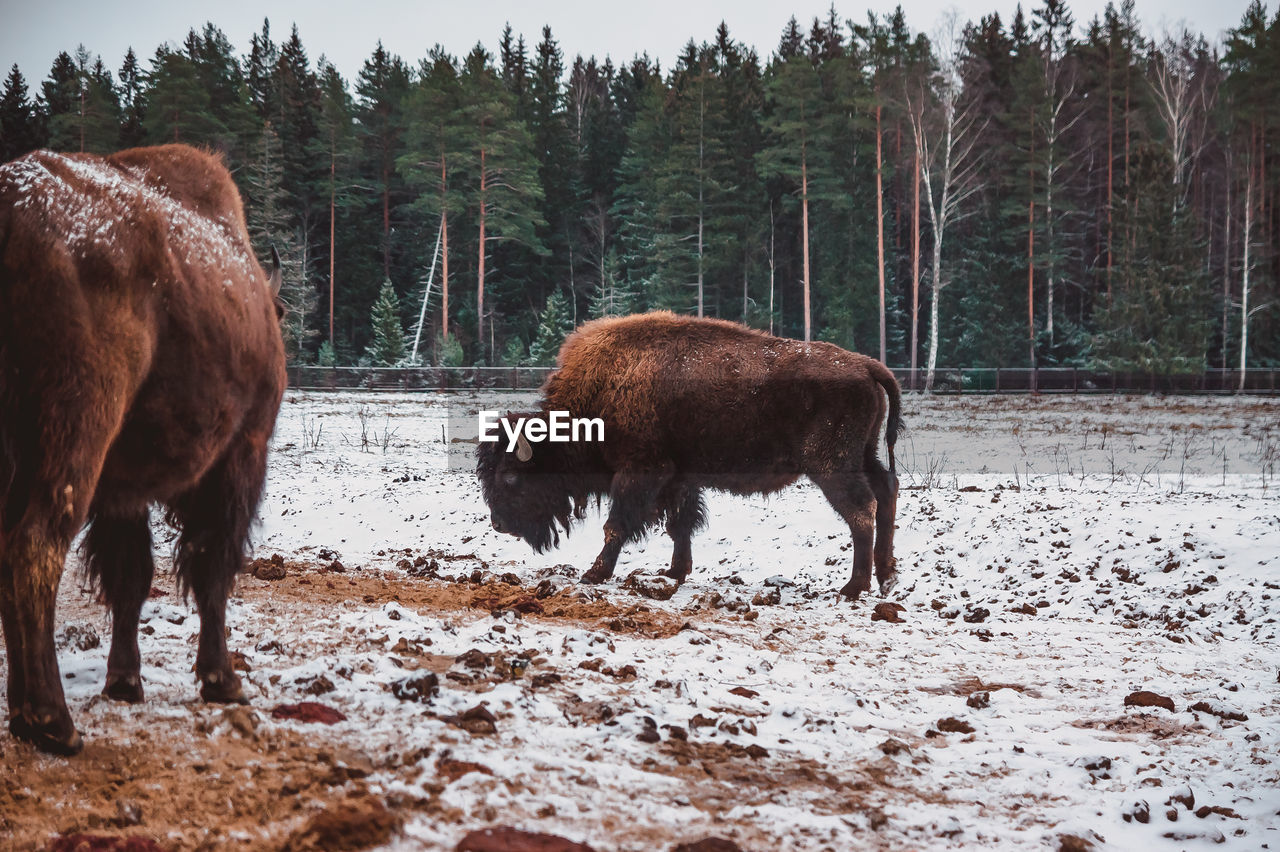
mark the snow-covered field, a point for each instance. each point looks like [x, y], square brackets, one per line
[1056, 554]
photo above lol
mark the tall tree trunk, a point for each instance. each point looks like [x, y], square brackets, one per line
[1031, 258]
[1110, 167]
[932, 363]
[1226, 266]
[701, 189]
[480, 276]
[1244, 277]
[804, 201]
[915, 267]
[772, 265]
[880, 234]
[1131, 235]
[386, 224]
[1049, 261]
[333, 250]
[444, 253]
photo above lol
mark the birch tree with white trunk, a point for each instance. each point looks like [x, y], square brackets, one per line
[945, 129]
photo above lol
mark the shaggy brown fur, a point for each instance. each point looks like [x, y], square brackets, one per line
[140, 363]
[690, 404]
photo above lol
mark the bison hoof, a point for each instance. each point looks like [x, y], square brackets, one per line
[888, 583]
[853, 590]
[124, 687]
[597, 574]
[677, 574]
[49, 738]
[219, 688]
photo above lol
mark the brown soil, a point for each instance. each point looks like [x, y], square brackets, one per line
[228, 779]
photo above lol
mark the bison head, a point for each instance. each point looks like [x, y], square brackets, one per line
[532, 490]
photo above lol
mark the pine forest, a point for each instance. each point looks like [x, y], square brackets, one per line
[1034, 192]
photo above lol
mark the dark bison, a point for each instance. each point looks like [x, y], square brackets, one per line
[689, 404]
[140, 363]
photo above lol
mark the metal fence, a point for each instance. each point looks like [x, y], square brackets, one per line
[1080, 380]
[948, 380]
[416, 378]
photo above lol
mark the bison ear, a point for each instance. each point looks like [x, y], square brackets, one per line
[524, 451]
[275, 279]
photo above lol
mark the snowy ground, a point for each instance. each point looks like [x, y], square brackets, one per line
[1056, 554]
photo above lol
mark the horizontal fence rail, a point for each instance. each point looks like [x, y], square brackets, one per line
[948, 380]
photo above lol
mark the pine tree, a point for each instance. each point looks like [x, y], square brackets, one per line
[326, 356]
[333, 149]
[90, 124]
[59, 94]
[387, 348]
[178, 104]
[1157, 321]
[450, 352]
[133, 107]
[498, 178]
[793, 93]
[554, 325]
[260, 71]
[642, 250]
[381, 89]
[433, 142]
[219, 75]
[19, 126]
[270, 225]
[558, 208]
[613, 297]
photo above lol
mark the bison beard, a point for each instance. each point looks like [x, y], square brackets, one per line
[690, 404]
[140, 362]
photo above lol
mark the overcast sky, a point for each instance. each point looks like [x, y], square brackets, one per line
[32, 33]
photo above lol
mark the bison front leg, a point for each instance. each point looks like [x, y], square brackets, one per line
[215, 521]
[633, 506]
[118, 560]
[30, 570]
[851, 495]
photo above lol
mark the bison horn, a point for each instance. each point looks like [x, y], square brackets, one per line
[524, 452]
[275, 278]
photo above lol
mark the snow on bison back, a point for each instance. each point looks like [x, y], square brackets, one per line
[140, 362]
[689, 404]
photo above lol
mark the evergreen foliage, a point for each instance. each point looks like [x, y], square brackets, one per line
[554, 325]
[388, 346]
[1106, 226]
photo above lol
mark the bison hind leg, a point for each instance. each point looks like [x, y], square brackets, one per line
[686, 514]
[118, 562]
[851, 495]
[885, 486]
[215, 518]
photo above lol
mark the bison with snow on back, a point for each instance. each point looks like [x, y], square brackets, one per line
[140, 363]
[690, 404]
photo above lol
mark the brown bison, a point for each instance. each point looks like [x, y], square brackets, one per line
[690, 404]
[140, 362]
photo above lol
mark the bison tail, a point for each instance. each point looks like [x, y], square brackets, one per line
[893, 426]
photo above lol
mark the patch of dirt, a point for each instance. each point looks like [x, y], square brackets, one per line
[313, 586]
[353, 824]
[727, 775]
[187, 791]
